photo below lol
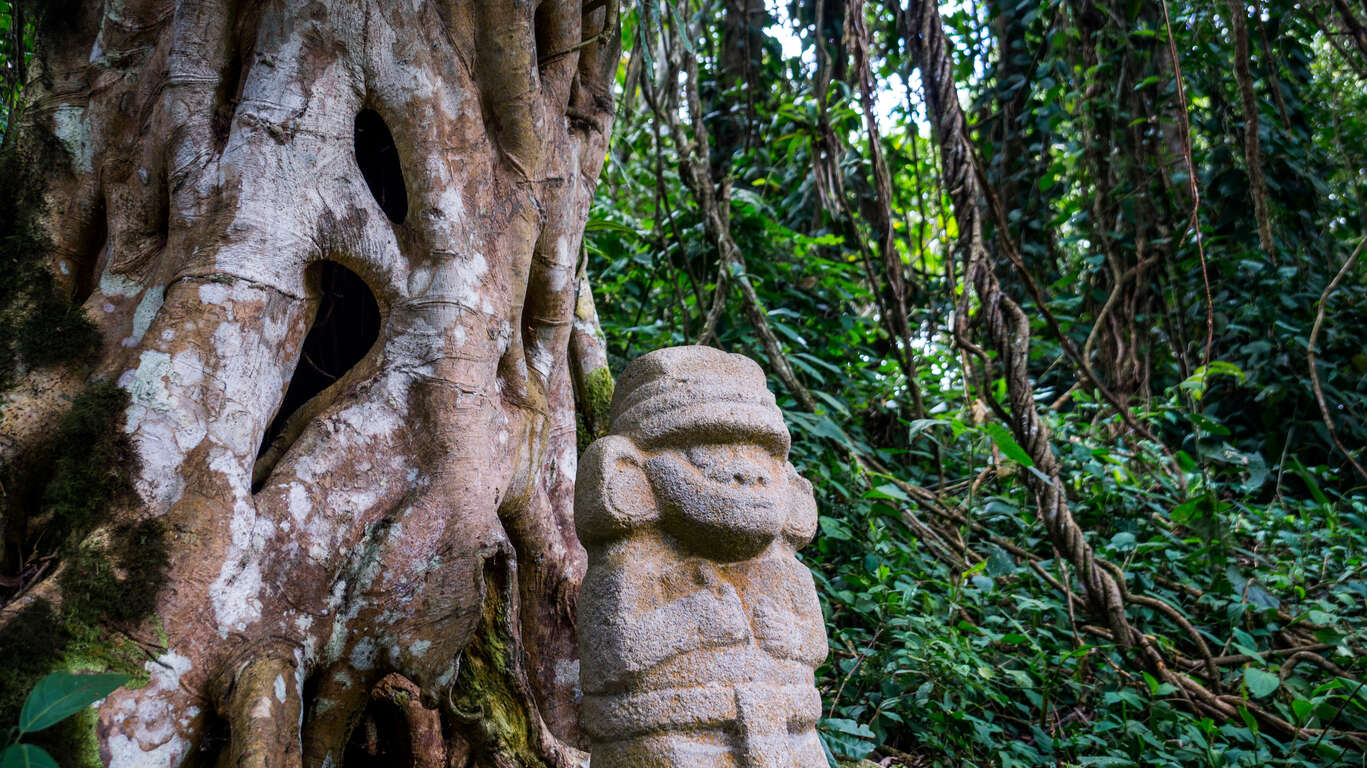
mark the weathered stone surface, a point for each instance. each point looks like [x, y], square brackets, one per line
[698, 628]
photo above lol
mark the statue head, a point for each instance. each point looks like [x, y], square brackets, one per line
[699, 448]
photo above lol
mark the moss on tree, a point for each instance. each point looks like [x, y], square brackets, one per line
[107, 579]
[487, 695]
[592, 422]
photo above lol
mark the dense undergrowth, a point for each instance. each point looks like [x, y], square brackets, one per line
[1241, 533]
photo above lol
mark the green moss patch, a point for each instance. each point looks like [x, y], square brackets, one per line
[592, 421]
[107, 579]
[486, 695]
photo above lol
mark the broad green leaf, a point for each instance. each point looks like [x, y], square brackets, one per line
[26, 756]
[1260, 683]
[1186, 462]
[61, 695]
[1209, 425]
[1151, 681]
[1197, 382]
[1190, 510]
[1007, 444]
[1000, 563]
[848, 737]
[916, 426]
[1320, 617]
[1303, 710]
[887, 491]
[1123, 541]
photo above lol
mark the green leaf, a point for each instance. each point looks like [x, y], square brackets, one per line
[1320, 617]
[1209, 425]
[1189, 510]
[604, 225]
[887, 491]
[1123, 541]
[1000, 563]
[1309, 480]
[1260, 683]
[977, 568]
[848, 737]
[61, 695]
[26, 756]
[1303, 710]
[1197, 382]
[834, 529]
[1007, 444]
[1186, 462]
[1151, 681]
[916, 426]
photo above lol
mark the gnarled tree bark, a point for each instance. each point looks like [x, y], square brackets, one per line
[194, 162]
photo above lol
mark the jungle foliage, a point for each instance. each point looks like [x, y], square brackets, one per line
[1173, 192]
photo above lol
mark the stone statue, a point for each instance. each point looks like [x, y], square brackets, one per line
[698, 628]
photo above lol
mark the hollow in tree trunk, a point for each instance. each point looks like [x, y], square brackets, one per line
[320, 262]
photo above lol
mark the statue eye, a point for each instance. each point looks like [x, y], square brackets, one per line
[700, 458]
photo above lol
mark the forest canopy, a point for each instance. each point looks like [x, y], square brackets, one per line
[1064, 305]
[1172, 193]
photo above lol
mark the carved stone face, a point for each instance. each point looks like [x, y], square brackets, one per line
[724, 501]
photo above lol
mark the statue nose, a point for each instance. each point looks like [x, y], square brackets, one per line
[749, 477]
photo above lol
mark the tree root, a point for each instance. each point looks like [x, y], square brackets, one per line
[492, 697]
[264, 708]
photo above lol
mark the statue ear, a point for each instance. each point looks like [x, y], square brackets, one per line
[800, 526]
[612, 496]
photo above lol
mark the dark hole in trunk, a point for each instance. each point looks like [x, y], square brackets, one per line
[344, 330]
[380, 739]
[88, 264]
[379, 161]
[225, 101]
[213, 744]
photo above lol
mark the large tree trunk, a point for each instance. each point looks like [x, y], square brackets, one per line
[199, 169]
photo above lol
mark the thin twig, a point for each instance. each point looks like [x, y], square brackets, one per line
[1310, 356]
[1194, 225]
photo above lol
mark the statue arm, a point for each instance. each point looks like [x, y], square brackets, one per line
[646, 629]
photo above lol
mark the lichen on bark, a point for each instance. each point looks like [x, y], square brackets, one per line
[197, 157]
